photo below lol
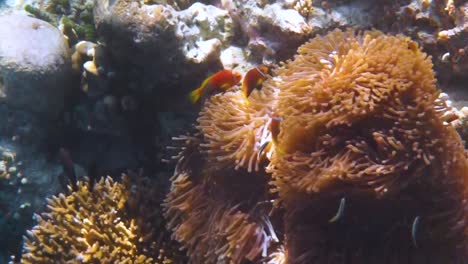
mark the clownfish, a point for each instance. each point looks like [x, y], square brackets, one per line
[272, 141]
[221, 80]
[275, 123]
[253, 79]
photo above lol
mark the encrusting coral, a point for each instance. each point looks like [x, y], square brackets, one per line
[91, 225]
[356, 148]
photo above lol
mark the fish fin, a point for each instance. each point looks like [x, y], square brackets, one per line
[246, 101]
[414, 230]
[340, 212]
[225, 86]
[262, 148]
[259, 84]
[195, 95]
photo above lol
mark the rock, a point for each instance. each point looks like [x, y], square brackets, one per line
[203, 30]
[287, 21]
[161, 30]
[272, 31]
[236, 58]
[34, 65]
[454, 39]
[165, 45]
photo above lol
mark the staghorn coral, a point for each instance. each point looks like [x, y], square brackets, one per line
[366, 166]
[90, 225]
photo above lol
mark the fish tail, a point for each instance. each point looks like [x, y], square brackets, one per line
[195, 95]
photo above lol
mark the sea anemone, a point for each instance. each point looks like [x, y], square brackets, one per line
[233, 129]
[352, 142]
[216, 216]
[362, 123]
[212, 231]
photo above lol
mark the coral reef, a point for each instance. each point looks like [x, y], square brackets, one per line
[90, 225]
[461, 124]
[354, 124]
[148, 39]
[454, 39]
[439, 26]
[345, 155]
[74, 18]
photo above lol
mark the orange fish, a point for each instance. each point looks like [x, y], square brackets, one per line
[275, 128]
[253, 79]
[221, 80]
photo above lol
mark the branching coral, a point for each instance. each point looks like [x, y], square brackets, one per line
[91, 225]
[361, 158]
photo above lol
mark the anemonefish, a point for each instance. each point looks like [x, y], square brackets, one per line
[275, 123]
[221, 80]
[253, 79]
[272, 141]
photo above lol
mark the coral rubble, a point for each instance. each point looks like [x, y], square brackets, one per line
[351, 142]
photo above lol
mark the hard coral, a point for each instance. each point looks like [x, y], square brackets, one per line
[366, 166]
[91, 225]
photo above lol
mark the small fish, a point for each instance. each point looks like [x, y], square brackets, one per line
[414, 230]
[262, 148]
[340, 212]
[275, 128]
[253, 79]
[221, 80]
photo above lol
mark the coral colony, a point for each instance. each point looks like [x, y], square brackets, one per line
[344, 155]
